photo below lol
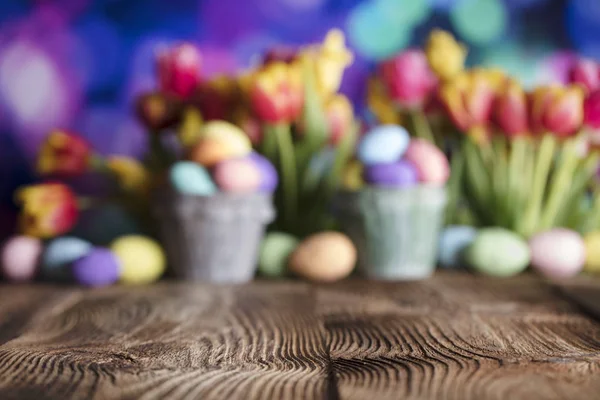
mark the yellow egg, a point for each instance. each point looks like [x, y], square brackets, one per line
[592, 250]
[142, 259]
[219, 141]
[226, 132]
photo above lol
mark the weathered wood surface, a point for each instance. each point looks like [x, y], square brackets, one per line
[452, 337]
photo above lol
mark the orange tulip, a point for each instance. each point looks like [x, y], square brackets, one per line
[511, 110]
[64, 154]
[48, 209]
[276, 93]
[557, 110]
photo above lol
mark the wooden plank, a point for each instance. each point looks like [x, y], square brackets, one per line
[459, 337]
[172, 341]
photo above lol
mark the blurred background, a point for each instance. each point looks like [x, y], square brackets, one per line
[79, 64]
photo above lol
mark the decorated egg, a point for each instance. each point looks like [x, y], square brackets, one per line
[352, 175]
[557, 253]
[323, 257]
[219, 140]
[100, 267]
[237, 175]
[268, 174]
[454, 239]
[498, 252]
[430, 162]
[397, 174]
[592, 252]
[59, 254]
[20, 256]
[383, 145]
[188, 177]
[103, 224]
[141, 259]
[275, 250]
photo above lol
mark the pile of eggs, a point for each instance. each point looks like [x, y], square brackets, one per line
[387, 157]
[557, 253]
[132, 259]
[222, 160]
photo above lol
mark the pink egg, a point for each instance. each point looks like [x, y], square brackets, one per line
[238, 175]
[429, 161]
[20, 256]
[557, 253]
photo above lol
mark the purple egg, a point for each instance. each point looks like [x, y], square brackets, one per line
[100, 267]
[268, 174]
[398, 174]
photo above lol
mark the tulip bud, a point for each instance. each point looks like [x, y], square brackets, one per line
[445, 55]
[586, 73]
[130, 173]
[511, 110]
[276, 93]
[179, 70]
[64, 154]
[331, 60]
[340, 116]
[48, 210]
[557, 110]
[408, 79]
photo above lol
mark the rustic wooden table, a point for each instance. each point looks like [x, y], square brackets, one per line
[454, 336]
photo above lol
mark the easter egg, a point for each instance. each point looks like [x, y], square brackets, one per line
[275, 250]
[383, 145]
[268, 173]
[20, 256]
[187, 177]
[498, 252]
[454, 239]
[592, 252]
[352, 175]
[59, 254]
[141, 259]
[219, 140]
[430, 162]
[238, 175]
[323, 257]
[557, 253]
[398, 174]
[100, 267]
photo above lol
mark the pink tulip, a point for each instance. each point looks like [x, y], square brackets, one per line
[585, 72]
[179, 70]
[591, 110]
[408, 78]
[510, 110]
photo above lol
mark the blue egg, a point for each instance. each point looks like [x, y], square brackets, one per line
[191, 178]
[383, 145]
[59, 254]
[453, 241]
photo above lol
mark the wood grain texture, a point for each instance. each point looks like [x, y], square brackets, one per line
[455, 336]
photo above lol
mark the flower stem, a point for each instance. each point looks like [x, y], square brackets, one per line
[421, 125]
[288, 177]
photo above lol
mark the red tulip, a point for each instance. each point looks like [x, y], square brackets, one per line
[64, 154]
[586, 73]
[557, 110]
[408, 78]
[511, 110]
[276, 93]
[591, 110]
[179, 70]
[48, 209]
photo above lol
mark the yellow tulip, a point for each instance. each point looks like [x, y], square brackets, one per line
[130, 173]
[445, 55]
[380, 104]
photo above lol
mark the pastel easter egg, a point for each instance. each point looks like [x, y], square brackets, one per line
[557, 253]
[383, 145]
[454, 239]
[498, 252]
[592, 252]
[275, 250]
[100, 267]
[142, 260]
[59, 254]
[352, 176]
[238, 175]
[323, 257]
[268, 174]
[220, 141]
[430, 162]
[188, 177]
[20, 257]
[397, 174]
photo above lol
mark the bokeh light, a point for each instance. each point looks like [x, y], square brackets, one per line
[410, 12]
[479, 21]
